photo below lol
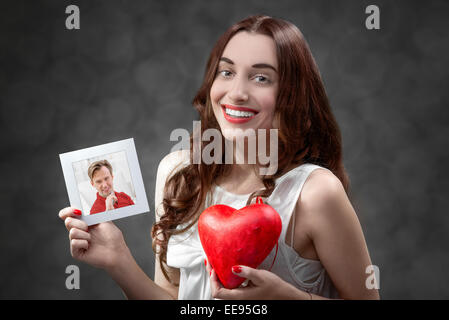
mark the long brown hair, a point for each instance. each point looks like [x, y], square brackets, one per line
[308, 131]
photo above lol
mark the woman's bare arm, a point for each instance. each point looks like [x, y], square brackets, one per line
[337, 235]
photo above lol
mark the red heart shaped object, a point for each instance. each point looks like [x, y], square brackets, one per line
[238, 237]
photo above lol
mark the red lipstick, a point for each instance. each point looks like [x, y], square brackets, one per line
[237, 120]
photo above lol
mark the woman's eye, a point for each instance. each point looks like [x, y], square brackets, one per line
[225, 73]
[262, 79]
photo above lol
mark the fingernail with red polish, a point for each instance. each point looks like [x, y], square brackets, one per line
[210, 273]
[236, 269]
[205, 262]
[77, 212]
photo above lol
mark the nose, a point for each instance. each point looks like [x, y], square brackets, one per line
[238, 92]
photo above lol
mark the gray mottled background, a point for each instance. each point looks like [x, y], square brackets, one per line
[132, 71]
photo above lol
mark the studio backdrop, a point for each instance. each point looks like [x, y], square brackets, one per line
[131, 70]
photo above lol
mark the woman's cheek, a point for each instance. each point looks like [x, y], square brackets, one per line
[268, 106]
[216, 91]
[213, 98]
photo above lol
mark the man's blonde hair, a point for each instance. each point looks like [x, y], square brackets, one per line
[94, 166]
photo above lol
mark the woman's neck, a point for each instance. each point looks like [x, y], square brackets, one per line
[241, 180]
[244, 176]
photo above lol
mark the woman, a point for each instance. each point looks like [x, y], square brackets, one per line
[260, 75]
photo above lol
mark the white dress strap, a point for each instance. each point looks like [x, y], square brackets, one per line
[292, 242]
[286, 193]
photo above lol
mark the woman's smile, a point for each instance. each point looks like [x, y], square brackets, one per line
[236, 114]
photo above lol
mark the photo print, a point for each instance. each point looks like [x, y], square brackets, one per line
[105, 181]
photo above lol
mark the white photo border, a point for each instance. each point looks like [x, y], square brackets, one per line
[127, 145]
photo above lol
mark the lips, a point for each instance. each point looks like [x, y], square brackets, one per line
[238, 115]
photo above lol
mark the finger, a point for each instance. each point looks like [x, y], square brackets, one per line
[218, 291]
[69, 212]
[246, 283]
[234, 294]
[77, 247]
[76, 233]
[215, 285]
[208, 266]
[214, 280]
[253, 275]
[75, 223]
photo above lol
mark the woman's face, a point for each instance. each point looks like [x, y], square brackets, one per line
[245, 88]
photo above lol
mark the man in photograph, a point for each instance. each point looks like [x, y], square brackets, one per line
[102, 179]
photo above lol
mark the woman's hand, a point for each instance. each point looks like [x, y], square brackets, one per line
[262, 285]
[100, 245]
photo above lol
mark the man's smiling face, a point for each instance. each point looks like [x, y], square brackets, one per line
[102, 180]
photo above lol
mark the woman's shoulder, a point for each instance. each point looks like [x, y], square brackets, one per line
[173, 161]
[167, 166]
[321, 195]
[322, 181]
[321, 190]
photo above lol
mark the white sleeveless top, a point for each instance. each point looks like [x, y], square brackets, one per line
[186, 252]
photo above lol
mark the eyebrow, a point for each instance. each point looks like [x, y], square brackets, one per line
[257, 65]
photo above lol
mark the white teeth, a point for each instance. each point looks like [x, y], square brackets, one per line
[237, 113]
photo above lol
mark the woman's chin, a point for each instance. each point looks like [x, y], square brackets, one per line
[235, 134]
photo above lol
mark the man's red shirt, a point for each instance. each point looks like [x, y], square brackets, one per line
[99, 205]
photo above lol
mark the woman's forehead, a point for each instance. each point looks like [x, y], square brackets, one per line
[246, 48]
